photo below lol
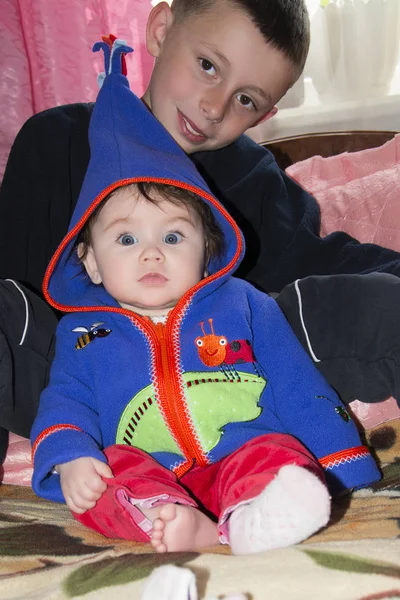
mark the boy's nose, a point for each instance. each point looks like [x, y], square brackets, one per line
[213, 105]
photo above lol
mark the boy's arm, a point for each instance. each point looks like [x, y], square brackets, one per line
[303, 402]
[67, 425]
[281, 221]
[40, 187]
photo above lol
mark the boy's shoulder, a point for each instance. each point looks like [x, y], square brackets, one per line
[234, 162]
[69, 114]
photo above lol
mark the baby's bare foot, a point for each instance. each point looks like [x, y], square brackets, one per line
[177, 527]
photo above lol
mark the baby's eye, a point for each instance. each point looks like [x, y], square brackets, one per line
[207, 66]
[127, 239]
[173, 238]
[246, 101]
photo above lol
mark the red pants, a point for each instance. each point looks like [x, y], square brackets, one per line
[219, 488]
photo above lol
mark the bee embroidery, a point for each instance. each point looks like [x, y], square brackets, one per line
[89, 335]
[215, 351]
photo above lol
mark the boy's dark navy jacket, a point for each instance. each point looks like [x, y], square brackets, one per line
[224, 369]
[279, 219]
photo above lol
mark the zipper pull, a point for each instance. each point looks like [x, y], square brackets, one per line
[160, 331]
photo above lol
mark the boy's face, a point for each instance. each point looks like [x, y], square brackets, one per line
[214, 75]
[146, 255]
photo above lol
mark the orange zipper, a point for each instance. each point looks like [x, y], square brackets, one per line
[173, 402]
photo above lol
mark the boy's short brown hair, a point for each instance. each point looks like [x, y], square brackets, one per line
[153, 192]
[284, 24]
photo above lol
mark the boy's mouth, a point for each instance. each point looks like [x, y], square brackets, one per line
[190, 131]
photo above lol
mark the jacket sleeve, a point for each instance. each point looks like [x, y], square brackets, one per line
[304, 403]
[67, 425]
[40, 187]
[281, 221]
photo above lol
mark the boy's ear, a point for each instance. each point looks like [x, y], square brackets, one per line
[158, 24]
[90, 264]
[268, 115]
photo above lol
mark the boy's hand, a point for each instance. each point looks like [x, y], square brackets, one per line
[81, 482]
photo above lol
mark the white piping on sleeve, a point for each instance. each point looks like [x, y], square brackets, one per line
[26, 311]
[297, 288]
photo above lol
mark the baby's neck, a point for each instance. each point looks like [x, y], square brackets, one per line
[158, 319]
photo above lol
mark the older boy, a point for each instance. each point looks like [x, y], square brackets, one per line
[221, 66]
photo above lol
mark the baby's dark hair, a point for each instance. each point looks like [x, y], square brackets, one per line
[284, 24]
[155, 192]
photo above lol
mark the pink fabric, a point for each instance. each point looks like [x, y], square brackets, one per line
[46, 56]
[17, 467]
[357, 192]
[370, 415]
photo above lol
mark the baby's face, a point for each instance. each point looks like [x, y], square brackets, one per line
[146, 255]
[214, 76]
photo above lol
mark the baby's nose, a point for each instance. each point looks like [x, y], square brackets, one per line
[152, 253]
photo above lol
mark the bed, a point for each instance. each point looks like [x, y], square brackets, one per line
[45, 554]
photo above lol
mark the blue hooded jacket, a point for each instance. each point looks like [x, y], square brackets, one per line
[225, 368]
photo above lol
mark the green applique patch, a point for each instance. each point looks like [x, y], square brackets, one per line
[213, 401]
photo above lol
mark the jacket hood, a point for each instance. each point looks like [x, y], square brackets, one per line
[128, 145]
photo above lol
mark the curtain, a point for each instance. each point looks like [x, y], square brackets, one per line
[352, 75]
[46, 57]
[351, 79]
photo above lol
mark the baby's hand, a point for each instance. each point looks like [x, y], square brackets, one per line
[81, 482]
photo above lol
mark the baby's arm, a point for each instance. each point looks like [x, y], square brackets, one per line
[81, 482]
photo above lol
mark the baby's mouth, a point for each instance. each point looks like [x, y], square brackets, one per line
[153, 279]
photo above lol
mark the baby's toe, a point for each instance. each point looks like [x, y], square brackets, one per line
[168, 512]
[158, 525]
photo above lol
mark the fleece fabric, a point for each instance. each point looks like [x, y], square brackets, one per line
[224, 369]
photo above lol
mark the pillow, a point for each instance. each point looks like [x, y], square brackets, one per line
[358, 192]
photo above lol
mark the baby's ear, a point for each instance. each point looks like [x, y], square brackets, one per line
[90, 263]
[158, 25]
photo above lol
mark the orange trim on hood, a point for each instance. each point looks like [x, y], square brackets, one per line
[75, 230]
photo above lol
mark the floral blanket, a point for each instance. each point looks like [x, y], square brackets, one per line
[46, 555]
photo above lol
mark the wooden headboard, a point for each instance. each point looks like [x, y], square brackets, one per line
[293, 149]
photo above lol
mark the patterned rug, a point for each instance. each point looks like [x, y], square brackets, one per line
[46, 555]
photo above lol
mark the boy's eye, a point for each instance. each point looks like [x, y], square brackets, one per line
[172, 238]
[246, 101]
[207, 66]
[127, 239]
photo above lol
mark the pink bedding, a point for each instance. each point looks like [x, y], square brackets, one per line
[358, 192]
